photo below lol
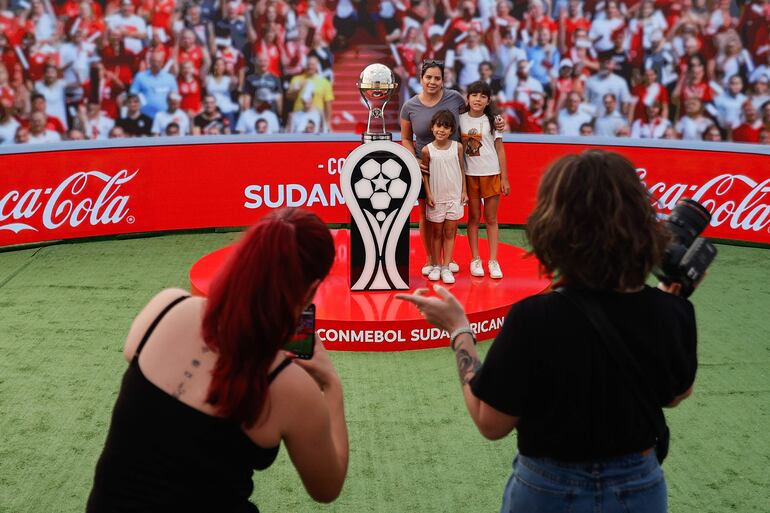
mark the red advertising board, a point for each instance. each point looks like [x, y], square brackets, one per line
[70, 193]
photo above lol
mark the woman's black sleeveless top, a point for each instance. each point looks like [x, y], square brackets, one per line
[163, 455]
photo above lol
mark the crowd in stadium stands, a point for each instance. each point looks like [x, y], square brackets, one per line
[671, 69]
[96, 69]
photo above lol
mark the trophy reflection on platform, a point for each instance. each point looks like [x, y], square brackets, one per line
[380, 182]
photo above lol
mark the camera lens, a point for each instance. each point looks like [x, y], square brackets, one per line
[688, 219]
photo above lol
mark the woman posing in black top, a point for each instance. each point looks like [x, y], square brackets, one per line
[585, 439]
[208, 395]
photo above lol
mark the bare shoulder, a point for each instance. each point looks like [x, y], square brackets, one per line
[295, 388]
[293, 396]
[145, 317]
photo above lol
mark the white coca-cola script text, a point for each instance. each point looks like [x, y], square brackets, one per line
[735, 199]
[76, 200]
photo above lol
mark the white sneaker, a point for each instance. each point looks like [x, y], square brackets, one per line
[426, 269]
[454, 267]
[446, 275]
[435, 273]
[494, 270]
[477, 268]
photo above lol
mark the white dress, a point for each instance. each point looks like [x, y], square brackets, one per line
[445, 184]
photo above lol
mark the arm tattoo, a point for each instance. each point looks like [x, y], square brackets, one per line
[467, 366]
[179, 391]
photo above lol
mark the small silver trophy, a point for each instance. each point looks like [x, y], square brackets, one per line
[376, 85]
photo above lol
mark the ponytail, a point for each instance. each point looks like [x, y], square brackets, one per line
[253, 305]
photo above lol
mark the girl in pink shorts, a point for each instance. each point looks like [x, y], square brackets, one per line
[445, 193]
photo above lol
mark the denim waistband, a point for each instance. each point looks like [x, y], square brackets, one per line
[607, 470]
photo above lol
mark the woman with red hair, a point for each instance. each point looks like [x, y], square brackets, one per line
[209, 394]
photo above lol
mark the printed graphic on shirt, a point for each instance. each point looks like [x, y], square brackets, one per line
[472, 142]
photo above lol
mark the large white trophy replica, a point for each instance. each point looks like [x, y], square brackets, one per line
[380, 182]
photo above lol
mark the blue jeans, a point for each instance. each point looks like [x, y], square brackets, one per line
[629, 484]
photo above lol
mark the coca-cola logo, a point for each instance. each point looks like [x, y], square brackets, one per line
[735, 199]
[90, 197]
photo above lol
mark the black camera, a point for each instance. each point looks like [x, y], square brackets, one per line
[687, 256]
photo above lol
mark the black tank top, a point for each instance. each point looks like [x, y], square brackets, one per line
[164, 455]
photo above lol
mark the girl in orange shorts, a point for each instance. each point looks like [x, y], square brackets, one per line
[485, 173]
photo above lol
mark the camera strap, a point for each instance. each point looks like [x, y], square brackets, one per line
[618, 351]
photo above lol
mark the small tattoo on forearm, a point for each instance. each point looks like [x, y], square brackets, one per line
[195, 363]
[187, 374]
[467, 366]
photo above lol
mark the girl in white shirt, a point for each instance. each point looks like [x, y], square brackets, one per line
[486, 174]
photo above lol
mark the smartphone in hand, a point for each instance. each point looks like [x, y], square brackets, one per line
[302, 343]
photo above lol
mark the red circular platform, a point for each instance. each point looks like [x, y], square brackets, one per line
[377, 321]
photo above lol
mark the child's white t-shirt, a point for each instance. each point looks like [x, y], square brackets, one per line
[479, 142]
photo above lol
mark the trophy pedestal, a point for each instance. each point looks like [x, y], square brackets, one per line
[376, 321]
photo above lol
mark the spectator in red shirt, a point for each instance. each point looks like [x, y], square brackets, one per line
[754, 25]
[293, 53]
[536, 18]
[86, 19]
[570, 20]
[690, 46]
[159, 12]
[582, 54]
[461, 24]
[189, 89]
[104, 87]
[7, 91]
[537, 112]
[269, 47]
[501, 25]
[748, 131]
[7, 56]
[38, 104]
[566, 82]
[190, 51]
[33, 57]
[268, 19]
[9, 28]
[649, 92]
[118, 59]
[159, 43]
[694, 83]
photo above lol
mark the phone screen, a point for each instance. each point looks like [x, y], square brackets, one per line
[303, 341]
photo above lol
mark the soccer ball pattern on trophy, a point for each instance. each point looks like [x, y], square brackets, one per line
[380, 184]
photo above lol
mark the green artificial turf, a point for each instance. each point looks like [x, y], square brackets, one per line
[65, 309]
